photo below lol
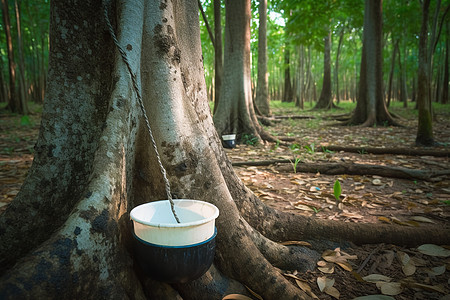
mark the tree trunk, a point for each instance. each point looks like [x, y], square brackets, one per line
[424, 135]
[262, 88]
[218, 53]
[235, 112]
[300, 98]
[67, 233]
[287, 91]
[402, 80]
[22, 81]
[3, 84]
[371, 108]
[325, 100]
[205, 19]
[13, 103]
[336, 67]
[446, 80]
[391, 72]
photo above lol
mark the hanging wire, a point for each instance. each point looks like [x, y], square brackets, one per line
[141, 105]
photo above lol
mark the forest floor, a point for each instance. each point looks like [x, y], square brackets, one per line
[421, 200]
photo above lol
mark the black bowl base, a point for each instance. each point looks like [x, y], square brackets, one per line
[174, 264]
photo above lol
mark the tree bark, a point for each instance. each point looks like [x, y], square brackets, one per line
[235, 112]
[325, 100]
[371, 107]
[22, 82]
[13, 103]
[424, 135]
[446, 79]
[218, 53]
[391, 72]
[287, 91]
[336, 67]
[262, 88]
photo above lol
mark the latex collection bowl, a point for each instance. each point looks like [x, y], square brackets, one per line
[174, 252]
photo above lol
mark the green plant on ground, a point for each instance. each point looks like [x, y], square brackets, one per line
[337, 190]
[325, 150]
[295, 163]
[249, 139]
[295, 147]
[311, 148]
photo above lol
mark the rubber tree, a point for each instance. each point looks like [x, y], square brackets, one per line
[13, 101]
[67, 233]
[235, 112]
[218, 52]
[262, 86]
[325, 100]
[371, 108]
[427, 44]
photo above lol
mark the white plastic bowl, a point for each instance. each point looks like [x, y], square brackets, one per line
[154, 222]
[228, 137]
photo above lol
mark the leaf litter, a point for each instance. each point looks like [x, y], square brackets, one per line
[364, 273]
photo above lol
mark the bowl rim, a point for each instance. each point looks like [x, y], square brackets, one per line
[175, 225]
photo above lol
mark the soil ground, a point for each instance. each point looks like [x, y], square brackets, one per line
[365, 198]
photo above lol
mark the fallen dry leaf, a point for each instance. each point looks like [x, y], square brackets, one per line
[433, 250]
[374, 278]
[390, 288]
[323, 282]
[332, 291]
[304, 286]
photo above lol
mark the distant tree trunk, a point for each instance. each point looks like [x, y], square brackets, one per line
[218, 54]
[205, 19]
[425, 127]
[438, 81]
[325, 100]
[371, 107]
[287, 91]
[336, 66]
[391, 72]
[13, 103]
[235, 112]
[262, 88]
[300, 98]
[402, 80]
[446, 80]
[3, 84]
[22, 81]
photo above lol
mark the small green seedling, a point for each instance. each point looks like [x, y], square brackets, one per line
[337, 190]
[295, 163]
[311, 149]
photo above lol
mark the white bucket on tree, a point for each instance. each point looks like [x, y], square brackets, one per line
[154, 222]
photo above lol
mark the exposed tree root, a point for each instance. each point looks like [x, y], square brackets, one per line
[279, 226]
[396, 151]
[293, 117]
[350, 169]
[266, 121]
[297, 258]
[212, 285]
